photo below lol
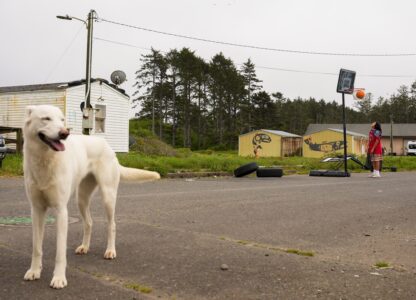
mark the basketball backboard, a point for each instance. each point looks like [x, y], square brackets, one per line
[346, 81]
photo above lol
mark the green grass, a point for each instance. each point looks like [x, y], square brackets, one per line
[138, 288]
[12, 165]
[210, 161]
[184, 160]
[403, 163]
[227, 161]
[300, 252]
[243, 242]
[270, 247]
[382, 264]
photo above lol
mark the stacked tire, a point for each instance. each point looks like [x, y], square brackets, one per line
[260, 171]
[269, 172]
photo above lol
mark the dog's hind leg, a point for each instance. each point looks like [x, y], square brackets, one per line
[109, 198]
[85, 190]
[108, 179]
[38, 227]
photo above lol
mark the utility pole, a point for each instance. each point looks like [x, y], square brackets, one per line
[87, 113]
[88, 110]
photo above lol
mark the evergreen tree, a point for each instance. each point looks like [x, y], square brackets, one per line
[172, 59]
[252, 84]
[203, 104]
[146, 78]
[364, 105]
[226, 90]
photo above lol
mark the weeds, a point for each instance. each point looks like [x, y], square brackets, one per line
[209, 161]
[382, 264]
[138, 288]
[300, 252]
[269, 247]
[185, 160]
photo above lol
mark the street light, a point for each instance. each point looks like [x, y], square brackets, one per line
[64, 17]
[67, 17]
[88, 111]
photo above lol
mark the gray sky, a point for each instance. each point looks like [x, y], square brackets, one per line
[38, 48]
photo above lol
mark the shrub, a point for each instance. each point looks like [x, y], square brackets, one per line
[152, 146]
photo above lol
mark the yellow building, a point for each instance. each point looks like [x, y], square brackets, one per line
[269, 143]
[394, 138]
[331, 141]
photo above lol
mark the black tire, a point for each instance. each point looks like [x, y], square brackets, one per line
[245, 169]
[269, 172]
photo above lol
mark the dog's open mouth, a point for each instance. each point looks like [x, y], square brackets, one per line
[55, 145]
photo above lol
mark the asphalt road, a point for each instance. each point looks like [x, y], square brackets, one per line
[173, 236]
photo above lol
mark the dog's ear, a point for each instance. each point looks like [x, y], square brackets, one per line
[29, 110]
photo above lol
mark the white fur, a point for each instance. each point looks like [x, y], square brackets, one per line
[52, 177]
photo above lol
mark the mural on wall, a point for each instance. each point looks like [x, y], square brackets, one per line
[324, 146]
[258, 139]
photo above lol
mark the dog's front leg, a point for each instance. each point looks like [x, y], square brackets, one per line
[38, 226]
[59, 278]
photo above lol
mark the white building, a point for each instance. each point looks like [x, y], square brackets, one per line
[111, 104]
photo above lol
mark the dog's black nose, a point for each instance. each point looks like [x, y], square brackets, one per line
[63, 133]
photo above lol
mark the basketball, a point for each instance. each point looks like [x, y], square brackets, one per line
[360, 94]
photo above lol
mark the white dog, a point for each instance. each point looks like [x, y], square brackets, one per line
[57, 165]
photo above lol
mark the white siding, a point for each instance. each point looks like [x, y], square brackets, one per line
[117, 113]
[12, 106]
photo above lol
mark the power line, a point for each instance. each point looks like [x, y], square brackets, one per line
[337, 74]
[258, 47]
[63, 54]
[271, 68]
[297, 71]
[121, 43]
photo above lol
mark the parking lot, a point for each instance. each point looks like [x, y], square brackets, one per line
[295, 237]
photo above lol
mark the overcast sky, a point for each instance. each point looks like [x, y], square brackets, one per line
[36, 47]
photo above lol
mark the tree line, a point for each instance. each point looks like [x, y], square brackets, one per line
[200, 104]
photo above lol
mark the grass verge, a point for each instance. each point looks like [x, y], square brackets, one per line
[185, 160]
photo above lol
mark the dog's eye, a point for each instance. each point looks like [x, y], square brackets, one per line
[46, 119]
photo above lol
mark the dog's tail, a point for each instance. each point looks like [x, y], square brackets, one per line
[130, 174]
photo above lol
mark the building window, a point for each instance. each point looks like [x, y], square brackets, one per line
[100, 113]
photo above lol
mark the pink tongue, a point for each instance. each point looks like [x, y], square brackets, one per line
[58, 146]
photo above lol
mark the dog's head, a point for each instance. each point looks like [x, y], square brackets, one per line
[45, 124]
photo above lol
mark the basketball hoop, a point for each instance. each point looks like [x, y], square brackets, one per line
[359, 93]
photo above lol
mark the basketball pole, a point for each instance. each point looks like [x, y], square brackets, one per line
[345, 135]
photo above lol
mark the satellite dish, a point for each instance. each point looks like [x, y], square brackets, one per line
[118, 77]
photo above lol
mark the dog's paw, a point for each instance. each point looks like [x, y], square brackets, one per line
[32, 274]
[110, 254]
[81, 250]
[58, 282]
